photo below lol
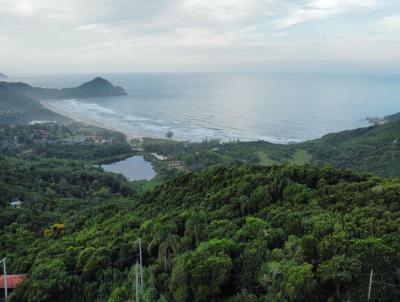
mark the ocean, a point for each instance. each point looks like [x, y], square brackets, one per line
[280, 108]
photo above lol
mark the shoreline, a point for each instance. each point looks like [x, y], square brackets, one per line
[47, 104]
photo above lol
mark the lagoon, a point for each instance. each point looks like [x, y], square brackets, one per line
[133, 168]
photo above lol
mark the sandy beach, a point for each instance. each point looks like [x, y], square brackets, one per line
[49, 104]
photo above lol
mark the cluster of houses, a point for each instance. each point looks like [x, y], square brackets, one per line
[171, 164]
[75, 139]
[176, 164]
[18, 139]
[82, 139]
[47, 138]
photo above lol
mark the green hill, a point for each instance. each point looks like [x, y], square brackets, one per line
[245, 233]
[373, 149]
[19, 102]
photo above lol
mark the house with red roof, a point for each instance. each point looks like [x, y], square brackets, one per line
[12, 282]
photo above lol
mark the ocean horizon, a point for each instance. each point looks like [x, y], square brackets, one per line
[280, 108]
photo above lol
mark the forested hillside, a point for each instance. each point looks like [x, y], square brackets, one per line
[374, 149]
[243, 233]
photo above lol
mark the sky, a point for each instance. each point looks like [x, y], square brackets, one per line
[78, 36]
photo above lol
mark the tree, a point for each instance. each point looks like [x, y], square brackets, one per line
[169, 134]
[299, 281]
[202, 274]
[194, 227]
[49, 281]
[166, 243]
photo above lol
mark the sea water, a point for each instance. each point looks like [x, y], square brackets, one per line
[275, 107]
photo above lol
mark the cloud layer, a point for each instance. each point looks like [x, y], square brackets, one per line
[191, 35]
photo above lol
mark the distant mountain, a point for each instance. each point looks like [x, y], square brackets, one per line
[392, 118]
[3, 76]
[98, 87]
[23, 100]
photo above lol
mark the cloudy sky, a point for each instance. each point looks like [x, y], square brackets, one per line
[199, 35]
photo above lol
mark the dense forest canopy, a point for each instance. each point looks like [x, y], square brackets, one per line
[227, 222]
[244, 233]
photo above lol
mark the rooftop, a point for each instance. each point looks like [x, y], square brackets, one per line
[12, 280]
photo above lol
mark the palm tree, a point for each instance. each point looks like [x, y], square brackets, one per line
[166, 242]
[194, 226]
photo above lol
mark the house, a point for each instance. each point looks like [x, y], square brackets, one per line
[176, 164]
[159, 157]
[16, 204]
[44, 133]
[79, 139]
[96, 139]
[12, 282]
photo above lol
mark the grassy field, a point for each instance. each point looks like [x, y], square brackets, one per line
[301, 157]
[265, 160]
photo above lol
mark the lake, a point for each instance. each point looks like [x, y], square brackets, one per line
[133, 168]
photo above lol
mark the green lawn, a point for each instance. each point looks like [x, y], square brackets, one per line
[151, 184]
[265, 160]
[301, 157]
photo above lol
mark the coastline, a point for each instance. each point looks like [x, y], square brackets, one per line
[48, 105]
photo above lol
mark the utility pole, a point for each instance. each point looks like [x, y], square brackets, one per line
[5, 277]
[370, 285]
[141, 264]
[137, 283]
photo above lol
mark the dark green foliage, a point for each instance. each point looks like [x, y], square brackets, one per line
[244, 233]
[373, 149]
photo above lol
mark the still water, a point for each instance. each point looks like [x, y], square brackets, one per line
[133, 168]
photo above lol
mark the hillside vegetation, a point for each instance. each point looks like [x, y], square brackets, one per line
[374, 149]
[240, 233]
